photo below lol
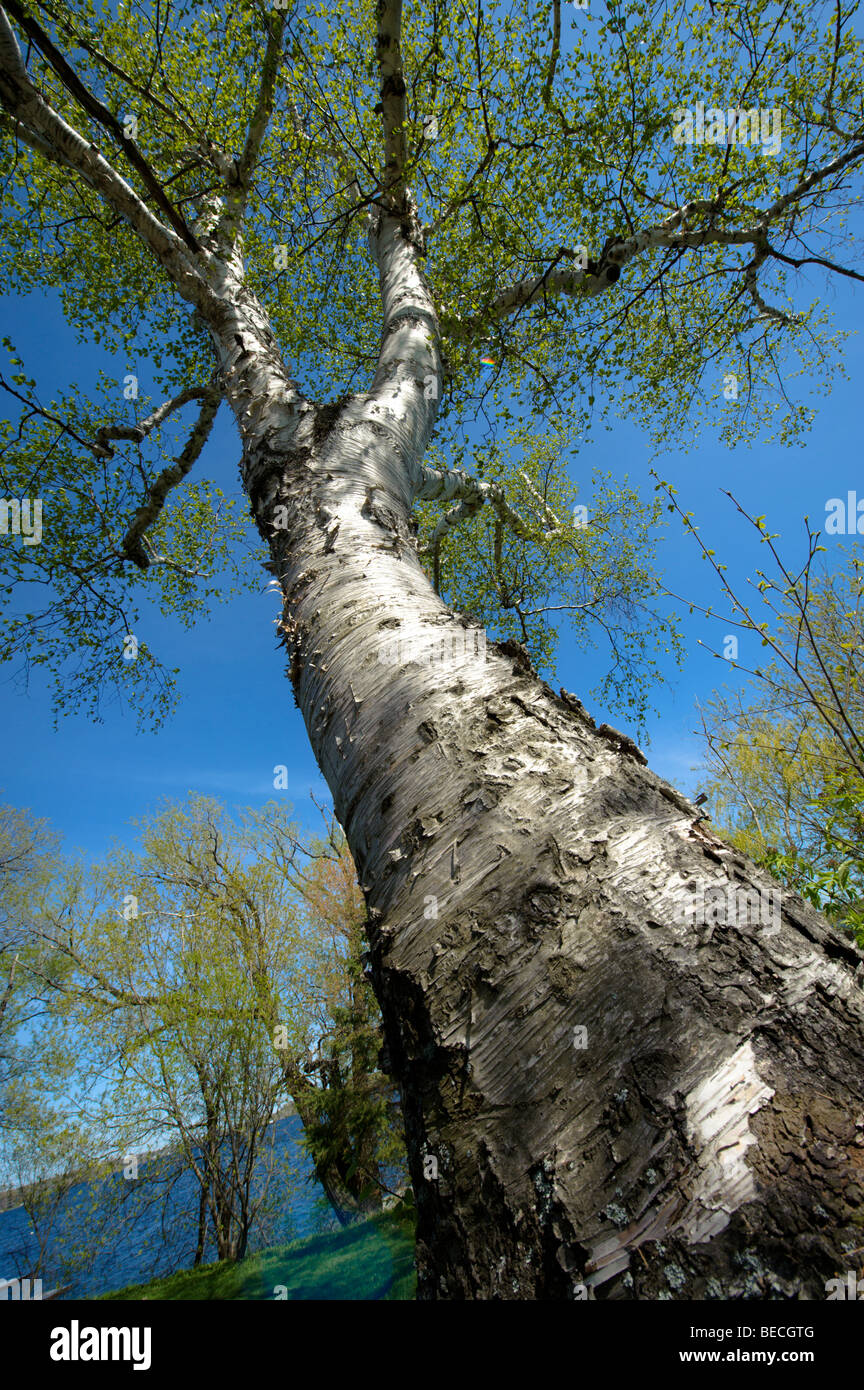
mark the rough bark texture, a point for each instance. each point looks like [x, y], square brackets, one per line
[620, 1096]
[603, 1088]
[528, 877]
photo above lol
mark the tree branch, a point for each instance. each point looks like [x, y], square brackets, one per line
[70, 149]
[62, 21]
[553, 56]
[258, 124]
[442, 485]
[817, 176]
[833, 713]
[392, 105]
[765, 310]
[671, 233]
[798, 261]
[105, 118]
[7, 993]
[133, 545]
[710, 740]
[34, 409]
[136, 433]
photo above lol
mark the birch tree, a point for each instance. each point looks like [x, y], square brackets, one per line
[328, 218]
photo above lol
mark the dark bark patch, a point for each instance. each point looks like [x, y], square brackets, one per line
[522, 660]
[564, 977]
[326, 417]
[541, 904]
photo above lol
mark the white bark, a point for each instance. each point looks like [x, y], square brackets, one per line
[526, 878]
[526, 875]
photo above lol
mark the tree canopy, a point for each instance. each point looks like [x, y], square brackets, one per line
[581, 259]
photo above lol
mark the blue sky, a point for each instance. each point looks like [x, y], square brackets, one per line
[237, 718]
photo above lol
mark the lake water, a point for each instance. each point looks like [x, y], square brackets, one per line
[153, 1228]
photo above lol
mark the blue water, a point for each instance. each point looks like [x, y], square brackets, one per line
[106, 1235]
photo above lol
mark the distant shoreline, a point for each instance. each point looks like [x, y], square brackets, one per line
[11, 1197]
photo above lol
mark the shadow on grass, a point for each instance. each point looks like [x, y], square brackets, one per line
[369, 1261]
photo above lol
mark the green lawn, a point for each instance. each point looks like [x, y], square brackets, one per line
[372, 1260]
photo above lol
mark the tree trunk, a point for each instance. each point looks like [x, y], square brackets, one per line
[526, 878]
[344, 1194]
[223, 1226]
[346, 1205]
[203, 1206]
[605, 1087]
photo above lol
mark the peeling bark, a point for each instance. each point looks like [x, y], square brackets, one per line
[532, 885]
[604, 1089]
[714, 1121]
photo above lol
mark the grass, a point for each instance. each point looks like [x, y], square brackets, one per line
[371, 1260]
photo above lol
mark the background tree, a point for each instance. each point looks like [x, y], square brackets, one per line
[42, 1155]
[206, 980]
[785, 753]
[28, 856]
[156, 1005]
[525, 874]
[353, 1124]
[52, 1165]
